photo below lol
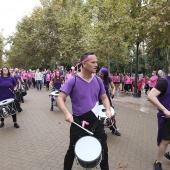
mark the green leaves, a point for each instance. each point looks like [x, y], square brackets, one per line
[71, 27]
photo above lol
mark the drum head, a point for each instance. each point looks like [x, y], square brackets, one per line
[55, 93]
[88, 149]
[102, 111]
[7, 101]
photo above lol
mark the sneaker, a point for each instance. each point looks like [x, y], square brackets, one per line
[2, 124]
[115, 132]
[16, 125]
[157, 166]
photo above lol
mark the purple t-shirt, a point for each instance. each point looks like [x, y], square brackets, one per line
[84, 95]
[17, 77]
[7, 85]
[57, 84]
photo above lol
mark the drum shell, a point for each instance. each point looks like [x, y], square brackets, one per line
[8, 108]
[24, 93]
[92, 163]
[54, 96]
[102, 116]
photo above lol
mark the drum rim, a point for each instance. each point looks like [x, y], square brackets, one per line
[54, 93]
[6, 103]
[104, 116]
[93, 159]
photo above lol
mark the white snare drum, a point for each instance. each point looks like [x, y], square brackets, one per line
[7, 108]
[54, 96]
[55, 93]
[102, 111]
[88, 151]
[102, 115]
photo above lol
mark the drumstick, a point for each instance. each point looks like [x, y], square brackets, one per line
[10, 90]
[91, 133]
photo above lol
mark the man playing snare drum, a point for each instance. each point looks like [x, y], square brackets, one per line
[84, 89]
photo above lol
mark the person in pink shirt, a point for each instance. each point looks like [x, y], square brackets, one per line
[33, 78]
[29, 78]
[68, 75]
[128, 82]
[24, 76]
[114, 78]
[117, 82]
[146, 84]
[123, 81]
[153, 80]
[48, 79]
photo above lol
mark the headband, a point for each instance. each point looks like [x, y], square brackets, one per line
[87, 58]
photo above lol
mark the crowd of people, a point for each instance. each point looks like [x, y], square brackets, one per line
[87, 88]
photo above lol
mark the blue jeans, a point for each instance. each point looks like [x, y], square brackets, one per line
[39, 84]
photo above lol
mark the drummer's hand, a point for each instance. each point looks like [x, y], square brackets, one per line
[14, 92]
[69, 117]
[109, 114]
[167, 113]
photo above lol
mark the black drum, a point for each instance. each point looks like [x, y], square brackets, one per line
[88, 151]
[23, 90]
[7, 108]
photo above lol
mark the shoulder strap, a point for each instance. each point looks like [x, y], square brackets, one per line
[98, 80]
[74, 82]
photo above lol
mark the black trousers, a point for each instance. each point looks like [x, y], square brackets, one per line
[76, 133]
[47, 85]
[14, 117]
[33, 82]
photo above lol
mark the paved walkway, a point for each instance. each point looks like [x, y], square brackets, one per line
[42, 139]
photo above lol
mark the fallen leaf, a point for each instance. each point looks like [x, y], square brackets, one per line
[122, 165]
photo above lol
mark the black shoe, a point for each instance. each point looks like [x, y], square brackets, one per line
[16, 125]
[20, 109]
[115, 132]
[51, 109]
[2, 124]
[157, 166]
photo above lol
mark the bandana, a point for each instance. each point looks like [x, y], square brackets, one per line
[104, 71]
[87, 58]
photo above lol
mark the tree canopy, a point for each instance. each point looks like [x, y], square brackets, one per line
[61, 30]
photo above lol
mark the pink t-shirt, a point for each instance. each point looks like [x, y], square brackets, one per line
[114, 79]
[24, 76]
[117, 79]
[33, 75]
[128, 80]
[67, 76]
[48, 77]
[153, 81]
[29, 75]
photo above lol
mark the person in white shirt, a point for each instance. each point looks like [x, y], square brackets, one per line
[38, 79]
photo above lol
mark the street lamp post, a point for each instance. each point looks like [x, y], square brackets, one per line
[131, 66]
[136, 70]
